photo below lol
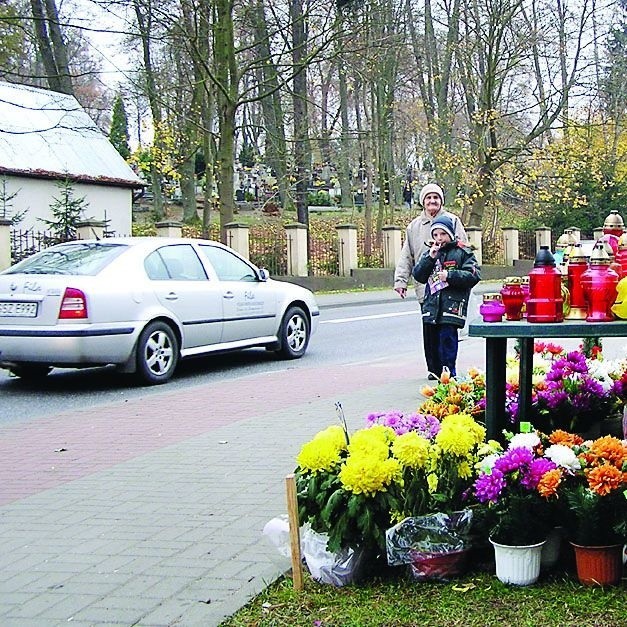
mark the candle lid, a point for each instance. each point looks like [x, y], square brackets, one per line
[490, 296]
[577, 253]
[512, 280]
[599, 255]
[614, 220]
[544, 258]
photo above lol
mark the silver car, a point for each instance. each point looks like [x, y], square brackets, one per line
[143, 304]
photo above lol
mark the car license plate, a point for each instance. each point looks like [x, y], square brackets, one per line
[18, 310]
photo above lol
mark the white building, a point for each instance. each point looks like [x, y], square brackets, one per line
[46, 137]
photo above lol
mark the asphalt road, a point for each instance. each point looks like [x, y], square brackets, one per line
[352, 333]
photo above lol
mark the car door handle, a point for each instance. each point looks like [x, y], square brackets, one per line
[228, 295]
[172, 296]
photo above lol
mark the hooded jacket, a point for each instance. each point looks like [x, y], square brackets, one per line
[417, 235]
[448, 305]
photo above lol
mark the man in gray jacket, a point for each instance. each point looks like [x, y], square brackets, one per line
[416, 243]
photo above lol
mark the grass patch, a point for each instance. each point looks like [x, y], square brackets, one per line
[476, 600]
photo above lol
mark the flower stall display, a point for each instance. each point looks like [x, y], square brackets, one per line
[570, 391]
[354, 487]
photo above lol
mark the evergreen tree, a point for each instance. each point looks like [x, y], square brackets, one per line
[118, 135]
[66, 212]
[6, 204]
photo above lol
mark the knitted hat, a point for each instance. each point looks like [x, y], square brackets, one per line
[444, 223]
[431, 188]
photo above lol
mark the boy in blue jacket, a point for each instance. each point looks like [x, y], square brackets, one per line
[449, 271]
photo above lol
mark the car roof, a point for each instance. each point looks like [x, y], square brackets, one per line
[148, 242]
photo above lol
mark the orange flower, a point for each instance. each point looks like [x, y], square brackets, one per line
[547, 486]
[465, 387]
[604, 479]
[609, 449]
[563, 437]
[453, 409]
[455, 399]
[473, 373]
[427, 390]
[445, 377]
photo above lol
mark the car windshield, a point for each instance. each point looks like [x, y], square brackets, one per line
[74, 258]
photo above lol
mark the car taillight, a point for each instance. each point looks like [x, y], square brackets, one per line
[73, 305]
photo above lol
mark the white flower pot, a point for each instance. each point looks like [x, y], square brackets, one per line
[517, 565]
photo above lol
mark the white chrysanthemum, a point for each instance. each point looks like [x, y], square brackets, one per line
[486, 464]
[563, 456]
[524, 440]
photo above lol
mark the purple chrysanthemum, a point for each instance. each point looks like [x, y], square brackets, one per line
[488, 487]
[513, 459]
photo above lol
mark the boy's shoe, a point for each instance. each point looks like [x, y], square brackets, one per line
[432, 377]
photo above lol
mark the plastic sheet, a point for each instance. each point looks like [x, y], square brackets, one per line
[435, 545]
[337, 569]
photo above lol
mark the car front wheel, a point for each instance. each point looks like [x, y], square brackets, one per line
[157, 353]
[294, 333]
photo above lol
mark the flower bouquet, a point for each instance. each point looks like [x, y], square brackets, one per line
[591, 483]
[515, 486]
[343, 486]
[452, 396]
[437, 473]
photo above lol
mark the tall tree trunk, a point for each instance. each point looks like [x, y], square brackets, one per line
[344, 151]
[51, 46]
[272, 108]
[227, 99]
[143, 13]
[302, 154]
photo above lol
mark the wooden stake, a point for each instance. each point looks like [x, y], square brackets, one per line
[292, 514]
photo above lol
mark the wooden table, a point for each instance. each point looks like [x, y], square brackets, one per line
[496, 335]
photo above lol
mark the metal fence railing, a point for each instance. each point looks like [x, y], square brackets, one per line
[268, 247]
[26, 243]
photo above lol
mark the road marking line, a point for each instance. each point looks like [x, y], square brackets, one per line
[373, 317]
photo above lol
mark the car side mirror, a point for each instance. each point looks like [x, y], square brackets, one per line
[263, 274]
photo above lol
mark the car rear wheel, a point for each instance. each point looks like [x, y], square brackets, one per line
[157, 353]
[31, 372]
[294, 333]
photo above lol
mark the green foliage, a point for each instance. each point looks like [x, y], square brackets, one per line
[118, 133]
[6, 204]
[247, 156]
[66, 211]
[11, 37]
[320, 198]
[593, 519]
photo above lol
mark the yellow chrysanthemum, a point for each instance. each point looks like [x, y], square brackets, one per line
[411, 449]
[464, 470]
[459, 434]
[372, 442]
[319, 455]
[334, 434]
[364, 474]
